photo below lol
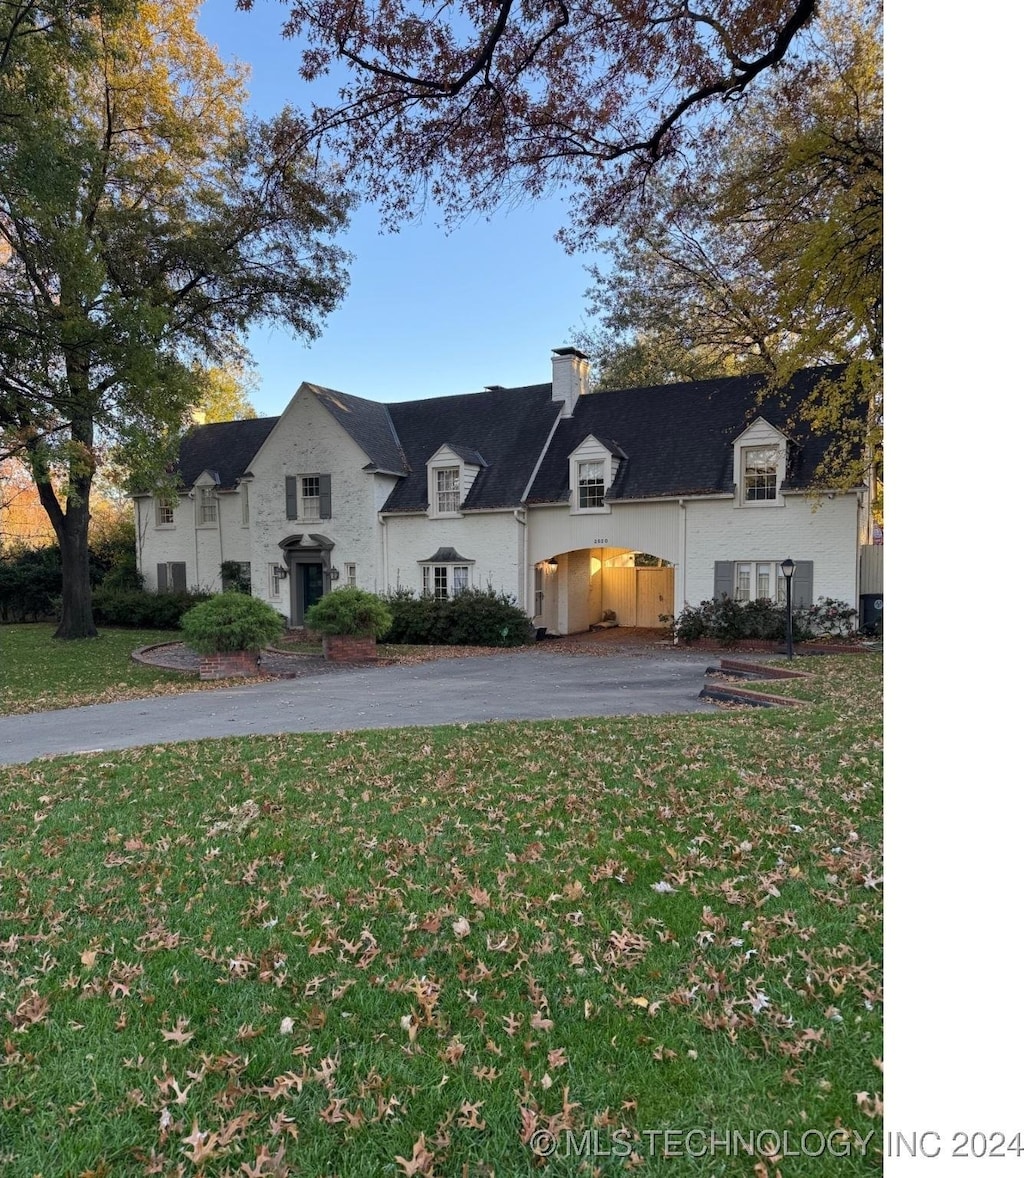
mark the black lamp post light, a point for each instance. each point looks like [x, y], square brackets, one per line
[788, 568]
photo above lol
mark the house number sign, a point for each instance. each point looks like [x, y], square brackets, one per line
[602, 540]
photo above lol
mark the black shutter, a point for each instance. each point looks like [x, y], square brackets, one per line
[161, 578]
[803, 584]
[725, 579]
[178, 576]
[325, 496]
[291, 500]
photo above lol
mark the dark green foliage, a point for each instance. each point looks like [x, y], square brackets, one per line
[30, 578]
[116, 605]
[231, 622]
[122, 578]
[474, 617]
[349, 611]
[728, 621]
[236, 576]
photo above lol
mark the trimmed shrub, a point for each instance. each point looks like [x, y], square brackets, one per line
[137, 608]
[416, 621]
[30, 580]
[231, 621]
[482, 617]
[474, 617]
[349, 612]
[729, 621]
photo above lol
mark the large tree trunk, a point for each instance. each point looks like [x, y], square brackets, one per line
[76, 619]
[72, 528]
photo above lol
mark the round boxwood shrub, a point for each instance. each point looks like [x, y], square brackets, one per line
[229, 622]
[350, 612]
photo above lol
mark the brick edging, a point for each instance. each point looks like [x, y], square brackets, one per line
[729, 693]
[137, 656]
[742, 695]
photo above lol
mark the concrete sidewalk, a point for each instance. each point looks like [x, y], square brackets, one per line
[546, 685]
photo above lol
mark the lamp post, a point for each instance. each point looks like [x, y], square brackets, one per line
[788, 567]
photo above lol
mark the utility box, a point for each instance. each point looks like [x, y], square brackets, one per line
[871, 613]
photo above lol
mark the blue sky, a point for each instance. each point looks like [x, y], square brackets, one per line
[427, 313]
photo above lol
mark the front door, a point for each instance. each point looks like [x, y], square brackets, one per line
[311, 585]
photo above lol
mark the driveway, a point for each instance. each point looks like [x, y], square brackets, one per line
[532, 684]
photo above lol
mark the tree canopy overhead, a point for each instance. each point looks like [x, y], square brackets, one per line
[766, 254]
[145, 224]
[467, 101]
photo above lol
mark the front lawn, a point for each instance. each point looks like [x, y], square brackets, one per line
[39, 672]
[412, 952]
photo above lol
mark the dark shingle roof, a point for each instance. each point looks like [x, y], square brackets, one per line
[507, 427]
[678, 438]
[224, 447]
[368, 424]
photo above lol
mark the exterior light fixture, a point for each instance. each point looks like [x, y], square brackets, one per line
[788, 567]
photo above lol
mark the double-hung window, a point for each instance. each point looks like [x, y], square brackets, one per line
[310, 496]
[590, 484]
[760, 474]
[165, 513]
[207, 507]
[446, 486]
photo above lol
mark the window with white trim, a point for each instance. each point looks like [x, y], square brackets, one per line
[590, 485]
[165, 513]
[760, 473]
[243, 490]
[446, 490]
[445, 580]
[309, 491]
[350, 576]
[206, 507]
[274, 578]
[756, 580]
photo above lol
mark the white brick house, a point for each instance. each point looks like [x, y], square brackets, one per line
[575, 503]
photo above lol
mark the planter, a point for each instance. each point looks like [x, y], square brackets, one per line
[229, 664]
[344, 648]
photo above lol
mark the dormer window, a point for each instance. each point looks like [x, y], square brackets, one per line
[593, 466]
[590, 485]
[206, 507]
[446, 490]
[760, 473]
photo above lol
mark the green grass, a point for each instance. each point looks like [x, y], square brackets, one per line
[38, 672]
[401, 952]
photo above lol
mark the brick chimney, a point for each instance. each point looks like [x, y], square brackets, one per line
[570, 378]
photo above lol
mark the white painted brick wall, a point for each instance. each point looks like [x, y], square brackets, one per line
[822, 530]
[307, 441]
[203, 550]
[492, 540]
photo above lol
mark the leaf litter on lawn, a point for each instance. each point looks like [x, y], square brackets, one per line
[413, 951]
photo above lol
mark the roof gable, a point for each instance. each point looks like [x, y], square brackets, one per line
[369, 425]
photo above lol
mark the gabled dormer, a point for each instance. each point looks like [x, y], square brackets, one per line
[760, 454]
[593, 466]
[451, 472]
